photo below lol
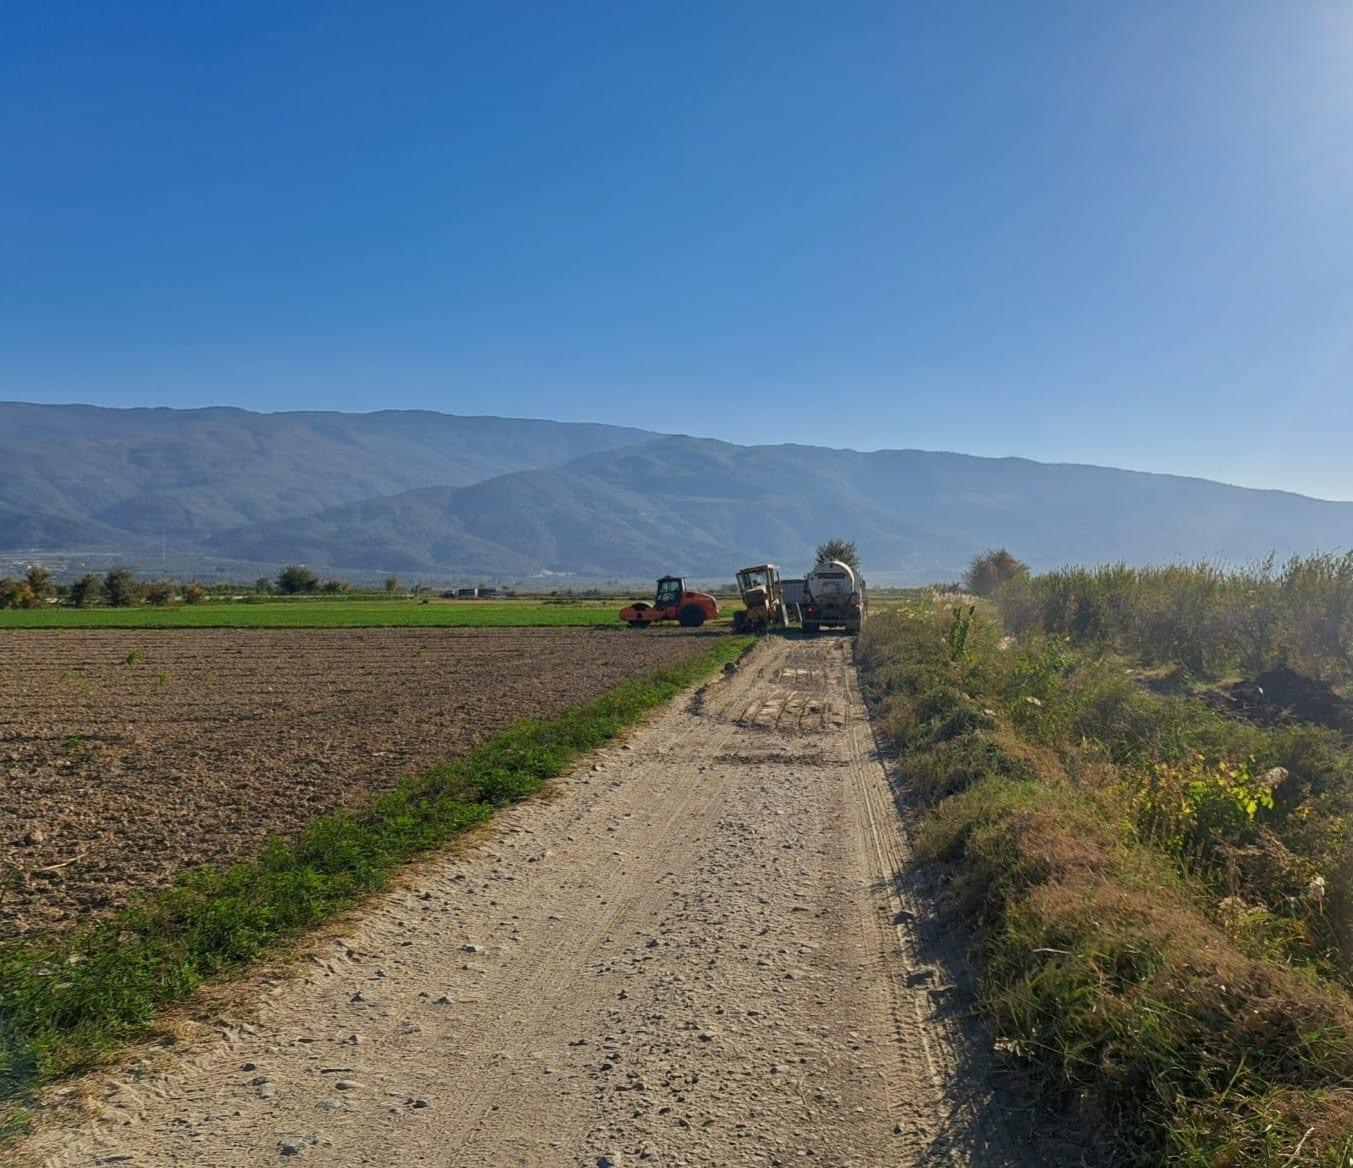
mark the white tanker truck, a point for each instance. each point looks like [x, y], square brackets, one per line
[833, 597]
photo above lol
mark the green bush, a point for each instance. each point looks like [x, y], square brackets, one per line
[84, 591]
[296, 578]
[15, 594]
[992, 569]
[121, 589]
[160, 593]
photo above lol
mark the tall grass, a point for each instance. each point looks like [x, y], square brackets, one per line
[1210, 618]
[1152, 887]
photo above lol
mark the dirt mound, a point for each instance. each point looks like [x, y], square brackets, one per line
[1281, 695]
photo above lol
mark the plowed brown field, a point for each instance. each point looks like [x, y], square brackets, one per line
[126, 756]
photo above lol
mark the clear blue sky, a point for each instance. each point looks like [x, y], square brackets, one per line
[1112, 233]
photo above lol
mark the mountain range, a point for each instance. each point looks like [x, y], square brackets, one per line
[440, 496]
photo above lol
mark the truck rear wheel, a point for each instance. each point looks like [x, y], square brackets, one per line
[810, 627]
[691, 616]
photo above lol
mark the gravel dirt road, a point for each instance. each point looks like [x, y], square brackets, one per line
[706, 949]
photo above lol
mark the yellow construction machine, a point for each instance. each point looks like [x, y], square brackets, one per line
[763, 600]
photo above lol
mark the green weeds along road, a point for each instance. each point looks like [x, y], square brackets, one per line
[1158, 895]
[66, 1003]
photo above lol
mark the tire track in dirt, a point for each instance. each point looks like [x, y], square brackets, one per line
[704, 950]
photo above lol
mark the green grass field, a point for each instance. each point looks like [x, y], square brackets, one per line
[322, 614]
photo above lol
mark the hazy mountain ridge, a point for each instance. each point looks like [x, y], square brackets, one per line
[704, 507]
[438, 495]
[90, 476]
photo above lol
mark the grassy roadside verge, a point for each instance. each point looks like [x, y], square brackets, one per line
[65, 1003]
[1145, 883]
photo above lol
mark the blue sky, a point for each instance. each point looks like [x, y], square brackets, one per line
[1119, 234]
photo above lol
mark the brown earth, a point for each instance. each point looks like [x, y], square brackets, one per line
[711, 948]
[1281, 696]
[127, 756]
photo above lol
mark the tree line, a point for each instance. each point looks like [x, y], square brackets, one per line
[119, 587]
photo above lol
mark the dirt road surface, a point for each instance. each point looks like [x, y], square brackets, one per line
[702, 951]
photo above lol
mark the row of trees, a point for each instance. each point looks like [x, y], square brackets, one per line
[34, 589]
[297, 580]
[120, 588]
[116, 588]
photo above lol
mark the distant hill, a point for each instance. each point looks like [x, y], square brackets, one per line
[705, 507]
[87, 477]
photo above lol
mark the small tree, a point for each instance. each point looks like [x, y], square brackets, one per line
[194, 593]
[264, 586]
[14, 593]
[120, 588]
[990, 570]
[39, 582]
[335, 586]
[84, 591]
[392, 584]
[296, 578]
[843, 550]
[160, 593]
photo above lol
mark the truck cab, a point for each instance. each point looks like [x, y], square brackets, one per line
[833, 597]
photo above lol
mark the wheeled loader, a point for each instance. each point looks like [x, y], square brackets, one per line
[762, 598]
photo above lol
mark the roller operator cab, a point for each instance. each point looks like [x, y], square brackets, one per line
[833, 598]
[672, 601]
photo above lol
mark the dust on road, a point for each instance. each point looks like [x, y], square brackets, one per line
[702, 952]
